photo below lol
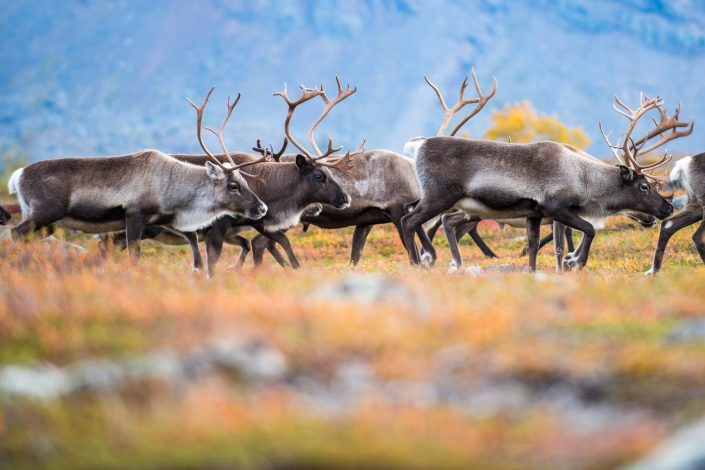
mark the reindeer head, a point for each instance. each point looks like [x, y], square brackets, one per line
[638, 182]
[231, 192]
[324, 187]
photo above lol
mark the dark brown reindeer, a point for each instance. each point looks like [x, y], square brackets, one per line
[380, 182]
[533, 181]
[287, 187]
[98, 195]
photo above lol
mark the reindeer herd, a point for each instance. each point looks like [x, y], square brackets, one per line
[451, 181]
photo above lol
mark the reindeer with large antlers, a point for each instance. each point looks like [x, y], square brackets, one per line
[533, 181]
[687, 173]
[380, 182]
[98, 195]
[288, 188]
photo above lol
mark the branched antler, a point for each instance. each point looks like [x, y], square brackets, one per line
[481, 101]
[627, 149]
[307, 94]
[219, 135]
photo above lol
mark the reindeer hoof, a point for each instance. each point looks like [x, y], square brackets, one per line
[453, 268]
[651, 272]
[426, 260]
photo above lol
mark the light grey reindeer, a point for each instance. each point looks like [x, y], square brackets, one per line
[688, 173]
[539, 180]
[98, 195]
[287, 188]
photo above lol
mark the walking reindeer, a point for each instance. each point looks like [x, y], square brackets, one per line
[380, 182]
[536, 181]
[98, 195]
[688, 173]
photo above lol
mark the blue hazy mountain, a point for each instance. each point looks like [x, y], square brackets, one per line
[108, 77]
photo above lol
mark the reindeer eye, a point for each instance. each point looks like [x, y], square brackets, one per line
[319, 176]
[644, 187]
[233, 187]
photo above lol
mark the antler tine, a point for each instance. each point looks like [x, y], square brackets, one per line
[460, 104]
[341, 164]
[329, 105]
[438, 93]
[664, 124]
[613, 148]
[219, 134]
[199, 123]
[330, 151]
[276, 156]
[308, 93]
[481, 102]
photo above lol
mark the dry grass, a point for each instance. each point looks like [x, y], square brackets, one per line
[497, 371]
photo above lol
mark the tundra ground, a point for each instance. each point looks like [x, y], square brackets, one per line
[107, 363]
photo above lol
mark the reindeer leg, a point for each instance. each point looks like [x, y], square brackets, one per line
[688, 216]
[486, 250]
[259, 244]
[452, 222]
[699, 240]
[358, 242]
[245, 247]
[281, 238]
[544, 241]
[134, 223]
[431, 233]
[429, 251]
[215, 237]
[533, 232]
[37, 219]
[559, 244]
[192, 239]
[569, 219]
[569, 239]
[411, 222]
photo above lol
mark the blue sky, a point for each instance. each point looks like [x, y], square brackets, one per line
[109, 77]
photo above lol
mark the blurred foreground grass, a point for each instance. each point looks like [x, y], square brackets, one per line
[106, 363]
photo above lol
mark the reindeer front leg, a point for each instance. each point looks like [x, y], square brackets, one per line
[569, 219]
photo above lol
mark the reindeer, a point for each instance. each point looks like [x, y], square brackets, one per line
[98, 195]
[688, 173]
[287, 187]
[4, 216]
[536, 181]
[380, 182]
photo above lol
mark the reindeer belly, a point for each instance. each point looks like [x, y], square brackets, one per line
[497, 208]
[90, 226]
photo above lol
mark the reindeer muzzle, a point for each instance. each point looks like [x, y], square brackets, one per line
[257, 211]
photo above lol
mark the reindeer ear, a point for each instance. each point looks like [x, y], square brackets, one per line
[215, 173]
[301, 161]
[628, 175]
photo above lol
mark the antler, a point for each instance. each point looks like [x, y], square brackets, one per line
[330, 104]
[276, 156]
[665, 123]
[630, 148]
[462, 102]
[309, 93]
[219, 134]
